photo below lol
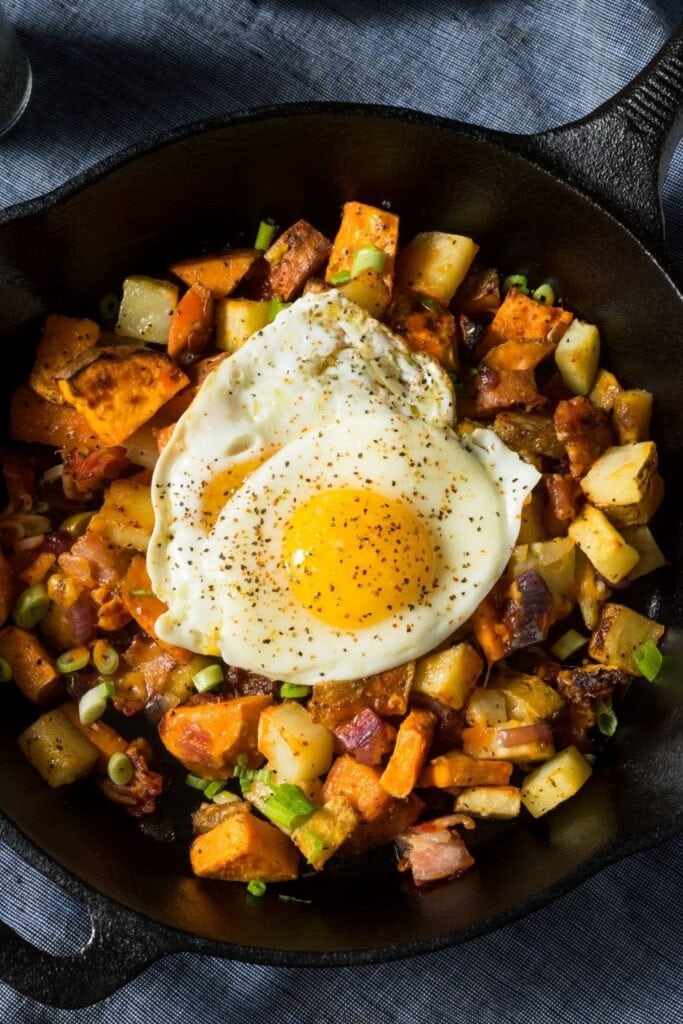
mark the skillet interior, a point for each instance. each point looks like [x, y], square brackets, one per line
[204, 191]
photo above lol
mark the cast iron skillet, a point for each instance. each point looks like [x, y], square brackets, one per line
[206, 184]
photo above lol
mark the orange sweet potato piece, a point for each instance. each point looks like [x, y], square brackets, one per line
[491, 632]
[410, 753]
[363, 226]
[522, 319]
[368, 835]
[360, 784]
[38, 569]
[101, 735]
[208, 738]
[5, 589]
[518, 354]
[457, 769]
[37, 421]
[119, 388]
[492, 391]
[191, 325]
[33, 670]
[63, 339]
[386, 693]
[424, 329]
[145, 608]
[244, 847]
[219, 273]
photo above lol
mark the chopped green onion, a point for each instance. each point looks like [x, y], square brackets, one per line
[288, 807]
[276, 306]
[120, 769]
[314, 844]
[105, 658]
[433, 304]
[648, 658]
[76, 525]
[109, 306]
[294, 691]
[517, 281]
[265, 234]
[5, 670]
[31, 606]
[34, 525]
[568, 644]
[341, 277]
[256, 887]
[214, 788]
[368, 258]
[143, 592]
[196, 781]
[208, 678]
[605, 718]
[545, 294]
[73, 660]
[293, 899]
[93, 703]
[225, 797]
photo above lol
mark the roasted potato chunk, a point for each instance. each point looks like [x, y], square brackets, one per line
[435, 264]
[386, 693]
[449, 676]
[584, 431]
[522, 319]
[126, 517]
[498, 802]
[577, 356]
[293, 257]
[147, 306]
[651, 556]
[527, 697]
[325, 831]
[457, 769]
[624, 484]
[37, 421]
[295, 746]
[605, 389]
[555, 781]
[620, 634]
[602, 544]
[363, 226]
[208, 738]
[33, 670]
[529, 432]
[58, 750]
[631, 413]
[413, 741]
[237, 320]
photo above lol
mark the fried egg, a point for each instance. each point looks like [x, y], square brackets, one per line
[316, 515]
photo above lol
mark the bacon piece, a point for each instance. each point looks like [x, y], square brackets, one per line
[139, 796]
[366, 737]
[564, 497]
[247, 684]
[585, 431]
[584, 684]
[432, 853]
[494, 390]
[86, 473]
[570, 727]
[92, 562]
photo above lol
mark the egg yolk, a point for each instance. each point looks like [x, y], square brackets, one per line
[355, 558]
[223, 485]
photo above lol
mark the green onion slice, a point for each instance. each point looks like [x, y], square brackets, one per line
[226, 797]
[517, 281]
[73, 660]
[276, 306]
[214, 788]
[431, 304]
[31, 606]
[105, 658]
[143, 592]
[648, 658]
[568, 644]
[256, 887]
[109, 306]
[545, 294]
[5, 670]
[77, 525]
[120, 769]
[289, 807]
[208, 678]
[605, 718]
[93, 703]
[294, 691]
[368, 258]
[341, 277]
[196, 781]
[316, 845]
[265, 234]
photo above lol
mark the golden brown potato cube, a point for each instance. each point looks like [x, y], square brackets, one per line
[237, 320]
[58, 750]
[620, 634]
[362, 227]
[592, 592]
[498, 802]
[482, 742]
[33, 670]
[368, 291]
[528, 699]
[458, 769]
[623, 483]
[605, 389]
[532, 432]
[449, 676]
[486, 707]
[554, 561]
[63, 339]
[631, 414]
[295, 746]
[146, 310]
[651, 556]
[555, 781]
[600, 542]
[577, 356]
[321, 836]
[242, 848]
[435, 264]
[126, 517]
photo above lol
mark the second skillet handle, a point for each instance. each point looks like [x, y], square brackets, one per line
[620, 153]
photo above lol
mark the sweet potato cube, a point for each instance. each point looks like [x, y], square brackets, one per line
[220, 273]
[413, 741]
[457, 769]
[397, 816]
[484, 742]
[107, 741]
[359, 783]
[363, 226]
[126, 517]
[208, 738]
[386, 693]
[34, 420]
[117, 389]
[498, 802]
[449, 676]
[63, 339]
[242, 848]
[144, 607]
[325, 831]
[191, 325]
[521, 318]
[293, 257]
[33, 670]
[57, 750]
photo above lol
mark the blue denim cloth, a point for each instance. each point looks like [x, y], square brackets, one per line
[109, 74]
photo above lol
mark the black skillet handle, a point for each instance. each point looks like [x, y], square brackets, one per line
[620, 153]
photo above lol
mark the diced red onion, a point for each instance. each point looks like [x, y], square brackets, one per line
[58, 542]
[365, 736]
[540, 732]
[157, 706]
[82, 619]
[535, 597]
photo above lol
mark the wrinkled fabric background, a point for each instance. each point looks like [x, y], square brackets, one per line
[110, 74]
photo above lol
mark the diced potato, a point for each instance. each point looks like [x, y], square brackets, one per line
[192, 325]
[435, 264]
[57, 750]
[528, 699]
[457, 769]
[208, 738]
[220, 273]
[296, 747]
[325, 831]
[532, 432]
[359, 783]
[532, 529]
[555, 781]
[449, 676]
[631, 414]
[499, 802]
[242, 848]
[491, 632]
[397, 816]
[592, 592]
[486, 707]
[651, 556]
[147, 305]
[620, 633]
[624, 484]
[386, 693]
[363, 226]
[413, 741]
[33, 670]
[482, 742]
[605, 389]
[554, 561]
[63, 339]
[577, 356]
[368, 291]
[126, 517]
[602, 544]
[521, 318]
[237, 320]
